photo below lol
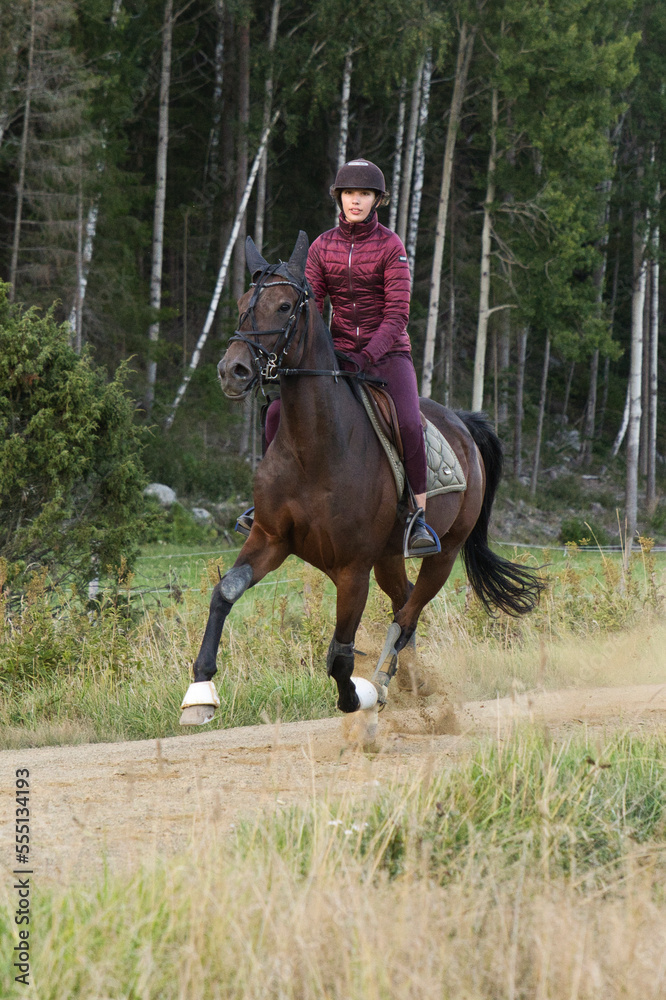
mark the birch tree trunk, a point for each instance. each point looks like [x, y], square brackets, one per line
[268, 102]
[222, 274]
[83, 269]
[260, 217]
[215, 178]
[611, 324]
[651, 486]
[212, 167]
[484, 284]
[520, 388]
[397, 156]
[78, 298]
[465, 47]
[645, 378]
[542, 410]
[11, 66]
[238, 276]
[343, 136]
[186, 223]
[160, 198]
[408, 160]
[617, 443]
[419, 164]
[20, 189]
[84, 254]
[635, 380]
[619, 438]
[451, 326]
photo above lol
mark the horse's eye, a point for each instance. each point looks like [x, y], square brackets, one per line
[285, 307]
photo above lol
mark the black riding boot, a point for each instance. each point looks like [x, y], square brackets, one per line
[420, 539]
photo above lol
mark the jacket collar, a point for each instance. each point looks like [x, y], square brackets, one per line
[358, 231]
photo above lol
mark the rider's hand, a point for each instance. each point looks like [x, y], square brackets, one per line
[358, 359]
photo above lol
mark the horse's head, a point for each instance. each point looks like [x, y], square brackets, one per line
[271, 316]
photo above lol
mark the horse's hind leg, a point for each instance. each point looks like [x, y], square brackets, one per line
[434, 572]
[392, 579]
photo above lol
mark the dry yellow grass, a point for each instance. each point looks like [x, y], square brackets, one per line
[305, 903]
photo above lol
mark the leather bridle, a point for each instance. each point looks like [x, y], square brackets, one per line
[269, 365]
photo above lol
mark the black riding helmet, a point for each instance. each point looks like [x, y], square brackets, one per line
[360, 175]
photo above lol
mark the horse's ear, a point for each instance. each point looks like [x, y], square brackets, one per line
[255, 261]
[299, 257]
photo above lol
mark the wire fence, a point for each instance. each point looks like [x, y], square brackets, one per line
[148, 580]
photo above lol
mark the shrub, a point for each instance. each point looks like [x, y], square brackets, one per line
[565, 490]
[71, 476]
[575, 529]
[175, 524]
[180, 460]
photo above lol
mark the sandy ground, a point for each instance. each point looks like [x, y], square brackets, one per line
[122, 803]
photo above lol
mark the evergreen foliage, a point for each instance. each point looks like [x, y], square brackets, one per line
[71, 476]
[579, 150]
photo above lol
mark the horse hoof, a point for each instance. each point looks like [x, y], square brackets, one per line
[197, 715]
[350, 702]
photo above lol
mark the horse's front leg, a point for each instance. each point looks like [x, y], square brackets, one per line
[259, 556]
[352, 587]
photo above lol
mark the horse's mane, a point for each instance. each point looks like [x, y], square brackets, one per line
[321, 328]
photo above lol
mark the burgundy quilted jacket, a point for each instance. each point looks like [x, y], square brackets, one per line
[363, 267]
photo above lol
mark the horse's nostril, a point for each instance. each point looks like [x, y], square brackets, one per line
[240, 371]
[233, 370]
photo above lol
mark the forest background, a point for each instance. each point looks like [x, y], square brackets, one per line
[522, 143]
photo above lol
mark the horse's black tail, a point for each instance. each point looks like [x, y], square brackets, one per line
[498, 583]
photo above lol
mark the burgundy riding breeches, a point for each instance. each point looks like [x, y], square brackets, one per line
[397, 370]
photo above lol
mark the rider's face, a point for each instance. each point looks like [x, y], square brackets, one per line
[357, 204]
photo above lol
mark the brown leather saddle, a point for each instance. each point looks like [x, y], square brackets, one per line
[387, 416]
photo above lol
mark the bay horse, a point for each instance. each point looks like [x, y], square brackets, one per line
[325, 492]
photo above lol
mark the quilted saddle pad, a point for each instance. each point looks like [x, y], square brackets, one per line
[445, 474]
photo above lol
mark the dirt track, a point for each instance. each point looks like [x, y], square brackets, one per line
[127, 801]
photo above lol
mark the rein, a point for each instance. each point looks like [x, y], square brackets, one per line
[270, 365]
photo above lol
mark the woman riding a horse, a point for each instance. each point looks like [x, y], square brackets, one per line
[325, 490]
[362, 267]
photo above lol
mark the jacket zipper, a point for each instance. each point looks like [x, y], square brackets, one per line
[351, 289]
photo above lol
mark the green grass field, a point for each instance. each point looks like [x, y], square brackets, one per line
[71, 675]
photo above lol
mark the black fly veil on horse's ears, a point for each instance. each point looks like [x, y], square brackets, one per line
[255, 261]
[295, 268]
[299, 257]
